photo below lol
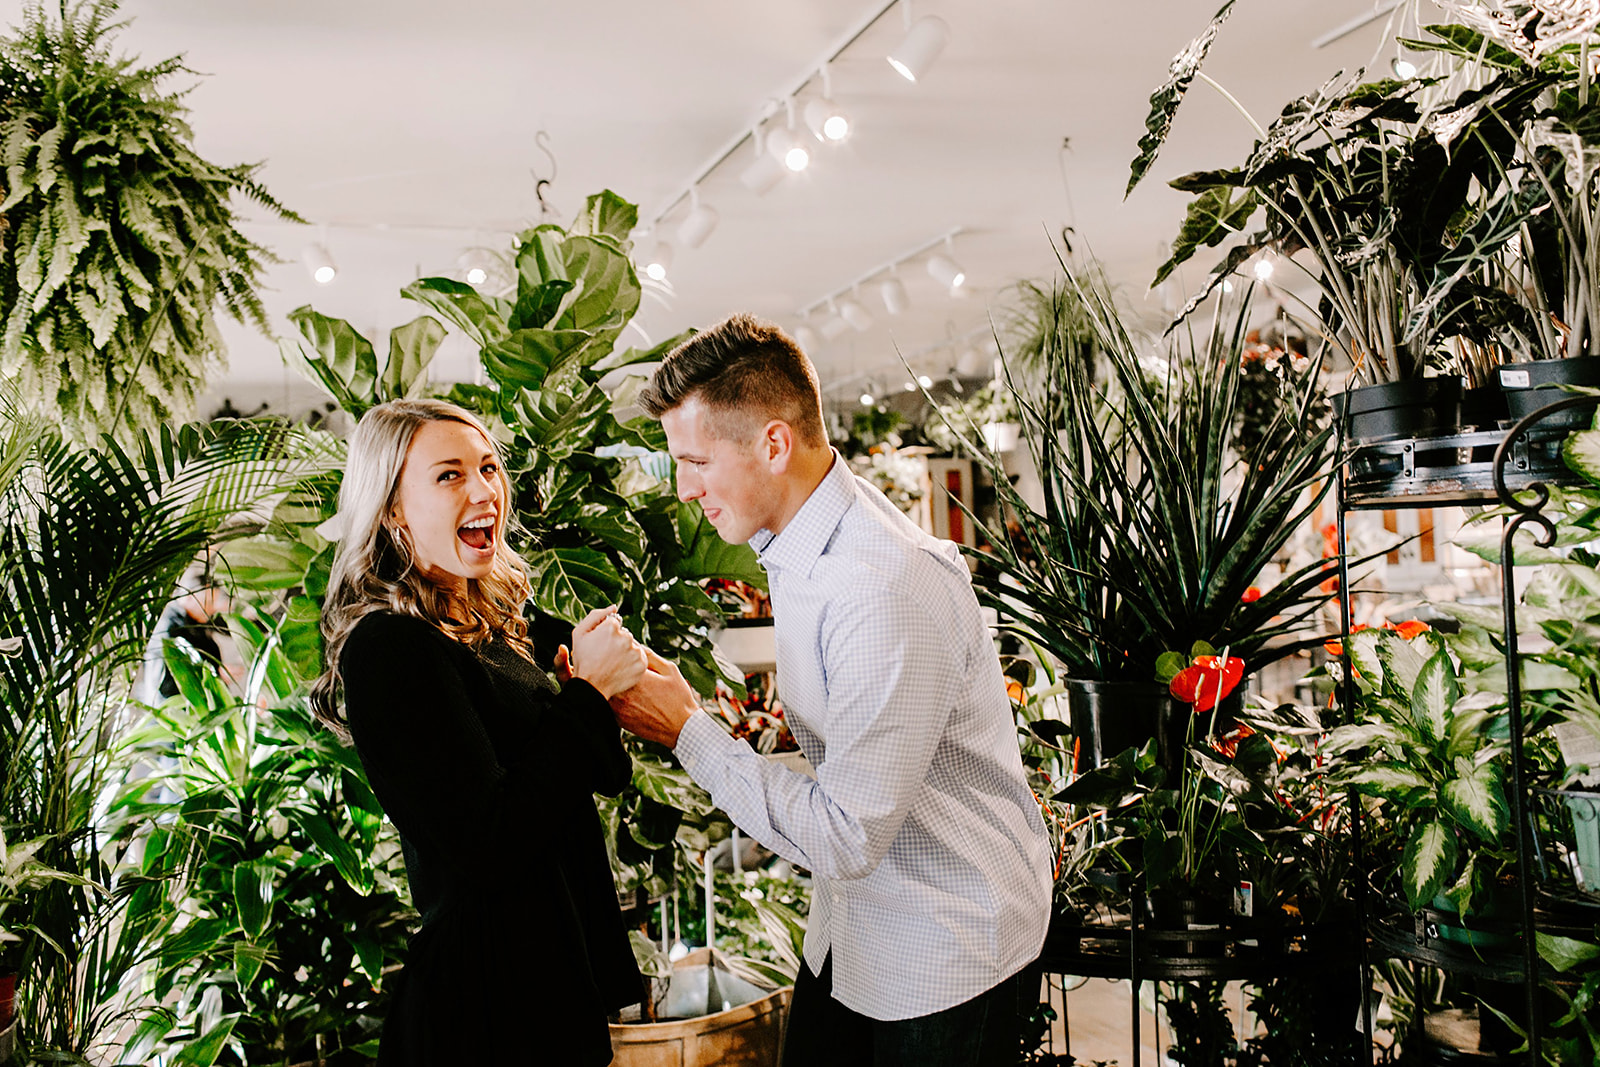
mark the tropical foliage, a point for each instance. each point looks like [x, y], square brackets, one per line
[117, 241]
[1152, 532]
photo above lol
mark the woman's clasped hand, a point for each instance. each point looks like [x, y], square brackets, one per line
[603, 653]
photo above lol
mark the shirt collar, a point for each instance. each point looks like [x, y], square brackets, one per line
[808, 532]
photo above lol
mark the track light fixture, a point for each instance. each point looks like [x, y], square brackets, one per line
[319, 263]
[893, 291]
[786, 146]
[834, 325]
[477, 266]
[856, 315]
[806, 338]
[924, 40]
[658, 262]
[945, 270]
[699, 223]
[765, 171]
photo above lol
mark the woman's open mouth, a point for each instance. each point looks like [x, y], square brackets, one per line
[478, 534]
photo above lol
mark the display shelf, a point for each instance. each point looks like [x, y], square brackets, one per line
[1240, 950]
[1423, 938]
[1467, 468]
[1451, 470]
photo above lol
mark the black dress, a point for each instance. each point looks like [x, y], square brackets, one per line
[488, 770]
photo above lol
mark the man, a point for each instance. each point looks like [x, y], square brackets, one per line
[930, 858]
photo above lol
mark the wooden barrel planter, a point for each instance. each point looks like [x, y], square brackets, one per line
[750, 1035]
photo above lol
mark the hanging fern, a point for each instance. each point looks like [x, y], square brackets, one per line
[117, 241]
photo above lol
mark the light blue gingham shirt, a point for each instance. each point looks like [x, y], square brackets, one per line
[931, 865]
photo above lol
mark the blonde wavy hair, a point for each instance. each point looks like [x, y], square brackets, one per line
[375, 567]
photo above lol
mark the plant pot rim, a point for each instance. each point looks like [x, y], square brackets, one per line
[1379, 395]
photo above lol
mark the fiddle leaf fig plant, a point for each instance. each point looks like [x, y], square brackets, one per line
[599, 521]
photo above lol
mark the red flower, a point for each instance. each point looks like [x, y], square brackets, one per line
[1411, 628]
[1251, 595]
[1207, 681]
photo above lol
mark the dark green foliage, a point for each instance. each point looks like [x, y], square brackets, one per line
[119, 242]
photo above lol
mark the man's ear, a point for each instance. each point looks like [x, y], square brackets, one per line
[777, 443]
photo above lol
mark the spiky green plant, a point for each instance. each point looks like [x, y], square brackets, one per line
[118, 242]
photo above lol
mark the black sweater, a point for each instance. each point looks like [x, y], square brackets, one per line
[488, 770]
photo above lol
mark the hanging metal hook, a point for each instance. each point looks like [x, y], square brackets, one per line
[541, 141]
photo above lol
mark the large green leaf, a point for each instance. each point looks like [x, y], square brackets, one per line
[1581, 450]
[252, 895]
[1477, 799]
[204, 1050]
[1565, 953]
[474, 314]
[1428, 860]
[339, 357]
[606, 213]
[1388, 780]
[607, 289]
[529, 358]
[570, 582]
[1165, 100]
[1211, 218]
[1434, 691]
[707, 555]
[411, 349]
[351, 866]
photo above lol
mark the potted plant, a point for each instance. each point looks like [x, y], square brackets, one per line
[1402, 199]
[120, 241]
[989, 414]
[1152, 532]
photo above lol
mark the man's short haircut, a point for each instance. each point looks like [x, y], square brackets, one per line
[747, 372]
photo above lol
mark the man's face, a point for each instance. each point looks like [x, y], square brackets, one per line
[733, 480]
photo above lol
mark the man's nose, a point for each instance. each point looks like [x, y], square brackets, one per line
[689, 487]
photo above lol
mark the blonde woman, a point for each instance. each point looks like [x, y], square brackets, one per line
[485, 763]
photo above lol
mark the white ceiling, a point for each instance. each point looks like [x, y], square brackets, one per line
[406, 130]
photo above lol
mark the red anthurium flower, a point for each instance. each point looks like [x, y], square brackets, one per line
[1207, 681]
[1412, 628]
[1251, 595]
[1336, 646]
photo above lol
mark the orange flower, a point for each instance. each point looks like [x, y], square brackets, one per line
[1251, 595]
[1015, 691]
[1411, 628]
[1336, 646]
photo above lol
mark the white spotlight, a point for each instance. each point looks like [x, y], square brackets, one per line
[856, 315]
[319, 262]
[867, 400]
[925, 381]
[834, 326]
[894, 296]
[658, 262]
[765, 171]
[788, 149]
[827, 122]
[698, 224]
[1403, 68]
[1227, 286]
[1263, 269]
[910, 386]
[915, 54]
[477, 265]
[946, 271]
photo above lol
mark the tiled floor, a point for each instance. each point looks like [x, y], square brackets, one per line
[1099, 1014]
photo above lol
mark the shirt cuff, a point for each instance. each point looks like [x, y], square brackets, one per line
[702, 740]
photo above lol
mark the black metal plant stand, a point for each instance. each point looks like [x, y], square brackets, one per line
[1439, 472]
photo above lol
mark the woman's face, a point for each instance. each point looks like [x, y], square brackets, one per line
[450, 499]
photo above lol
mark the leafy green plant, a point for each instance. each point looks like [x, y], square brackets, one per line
[600, 523]
[287, 902]
[117, 241]
[1151, 532]
[1404, 202]
[956, 426]
[91, 545]
[1428, 753]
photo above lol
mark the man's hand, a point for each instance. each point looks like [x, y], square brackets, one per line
[658, 705]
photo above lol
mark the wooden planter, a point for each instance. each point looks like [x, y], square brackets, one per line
[750, 1035]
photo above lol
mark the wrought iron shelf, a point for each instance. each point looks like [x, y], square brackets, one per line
[1450, 470]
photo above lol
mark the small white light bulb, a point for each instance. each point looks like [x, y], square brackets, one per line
[867, 400]
[925, 381]
[1403, 69]
[1262, 269]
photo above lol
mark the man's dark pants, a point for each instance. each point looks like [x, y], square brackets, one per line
[982, 1032]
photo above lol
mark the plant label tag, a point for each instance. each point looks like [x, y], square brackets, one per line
[1244, 900]
[1513, 379]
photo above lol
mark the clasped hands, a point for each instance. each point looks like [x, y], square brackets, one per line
[647, 693]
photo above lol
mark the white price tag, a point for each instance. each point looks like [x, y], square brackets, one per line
[1514, 379]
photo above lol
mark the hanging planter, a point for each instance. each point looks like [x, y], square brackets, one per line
[1002, 437]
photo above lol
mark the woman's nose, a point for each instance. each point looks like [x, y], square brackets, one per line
[485, 489]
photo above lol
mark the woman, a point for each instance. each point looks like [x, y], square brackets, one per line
[483, 762]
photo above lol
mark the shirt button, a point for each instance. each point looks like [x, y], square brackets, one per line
[838, 897]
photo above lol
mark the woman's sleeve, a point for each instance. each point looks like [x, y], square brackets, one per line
[420, 739]
[585, 728]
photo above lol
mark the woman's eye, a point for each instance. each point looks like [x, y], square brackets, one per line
[447, 475]
[491, 468]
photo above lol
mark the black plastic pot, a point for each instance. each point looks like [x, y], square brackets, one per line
[1184, 909]
[1393, 411]
[1107, 717]
[1530, 386]
[1484, 408]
